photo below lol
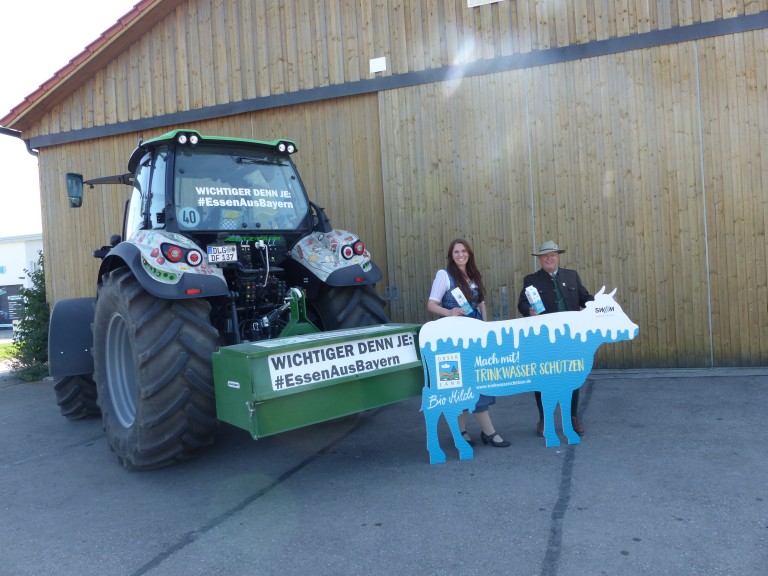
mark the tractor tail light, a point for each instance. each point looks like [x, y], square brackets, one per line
[194, 257]
[172, 252]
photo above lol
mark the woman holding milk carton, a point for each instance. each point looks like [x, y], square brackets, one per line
[458, 291]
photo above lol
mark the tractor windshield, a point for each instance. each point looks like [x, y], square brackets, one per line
[237, 188]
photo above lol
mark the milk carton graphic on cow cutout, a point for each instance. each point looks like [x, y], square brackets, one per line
[552, 353]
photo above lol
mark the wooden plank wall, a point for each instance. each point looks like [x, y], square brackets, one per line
[210, 52]
[455, 168]
[615, 176]
[734, 80]
[646, 165]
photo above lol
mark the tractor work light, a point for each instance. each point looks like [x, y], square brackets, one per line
[286, 147]
[184, 138]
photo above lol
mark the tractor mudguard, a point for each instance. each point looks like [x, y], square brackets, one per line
[70, 338]
[163, 279]
[334, 258]
[354, 276]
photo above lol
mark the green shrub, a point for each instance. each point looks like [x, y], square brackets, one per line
[30, 335]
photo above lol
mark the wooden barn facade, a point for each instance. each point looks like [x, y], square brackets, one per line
[630, 131]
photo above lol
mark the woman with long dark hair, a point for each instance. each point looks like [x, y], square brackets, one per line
[462, 272]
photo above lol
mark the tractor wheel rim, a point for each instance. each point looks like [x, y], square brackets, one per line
[121, 371]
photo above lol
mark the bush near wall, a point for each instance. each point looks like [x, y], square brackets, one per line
[30, 335]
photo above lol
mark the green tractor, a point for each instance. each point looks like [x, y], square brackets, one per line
[220, 246]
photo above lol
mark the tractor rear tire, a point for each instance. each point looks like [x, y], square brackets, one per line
[153, 372]
[348, 307]
[76, 397]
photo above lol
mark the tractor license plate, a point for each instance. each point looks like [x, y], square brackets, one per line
[225, 253]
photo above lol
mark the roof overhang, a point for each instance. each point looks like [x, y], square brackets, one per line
[83, 66]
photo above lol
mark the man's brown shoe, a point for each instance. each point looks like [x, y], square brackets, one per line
[540, 428]
[577, 426]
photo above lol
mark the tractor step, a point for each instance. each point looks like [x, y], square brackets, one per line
[282, 384]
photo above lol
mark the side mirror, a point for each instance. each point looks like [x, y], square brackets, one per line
[75, 189]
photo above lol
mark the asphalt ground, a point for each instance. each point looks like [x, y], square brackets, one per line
[671, 478]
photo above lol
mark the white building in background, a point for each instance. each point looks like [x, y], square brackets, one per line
[17, 254]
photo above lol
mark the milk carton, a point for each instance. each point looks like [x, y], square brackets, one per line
[459, 295]
[534, 299]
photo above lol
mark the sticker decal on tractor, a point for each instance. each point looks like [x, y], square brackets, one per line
[322, 363]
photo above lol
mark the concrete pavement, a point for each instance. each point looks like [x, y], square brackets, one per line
[670, 479]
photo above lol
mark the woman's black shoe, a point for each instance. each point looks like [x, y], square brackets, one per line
[467, 438]
[492, 440]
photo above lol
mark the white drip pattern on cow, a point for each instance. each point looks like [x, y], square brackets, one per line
[603, 310]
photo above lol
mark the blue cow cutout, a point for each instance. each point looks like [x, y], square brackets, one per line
[551, 353]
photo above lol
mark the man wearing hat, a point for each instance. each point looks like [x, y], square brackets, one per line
[561, 290]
